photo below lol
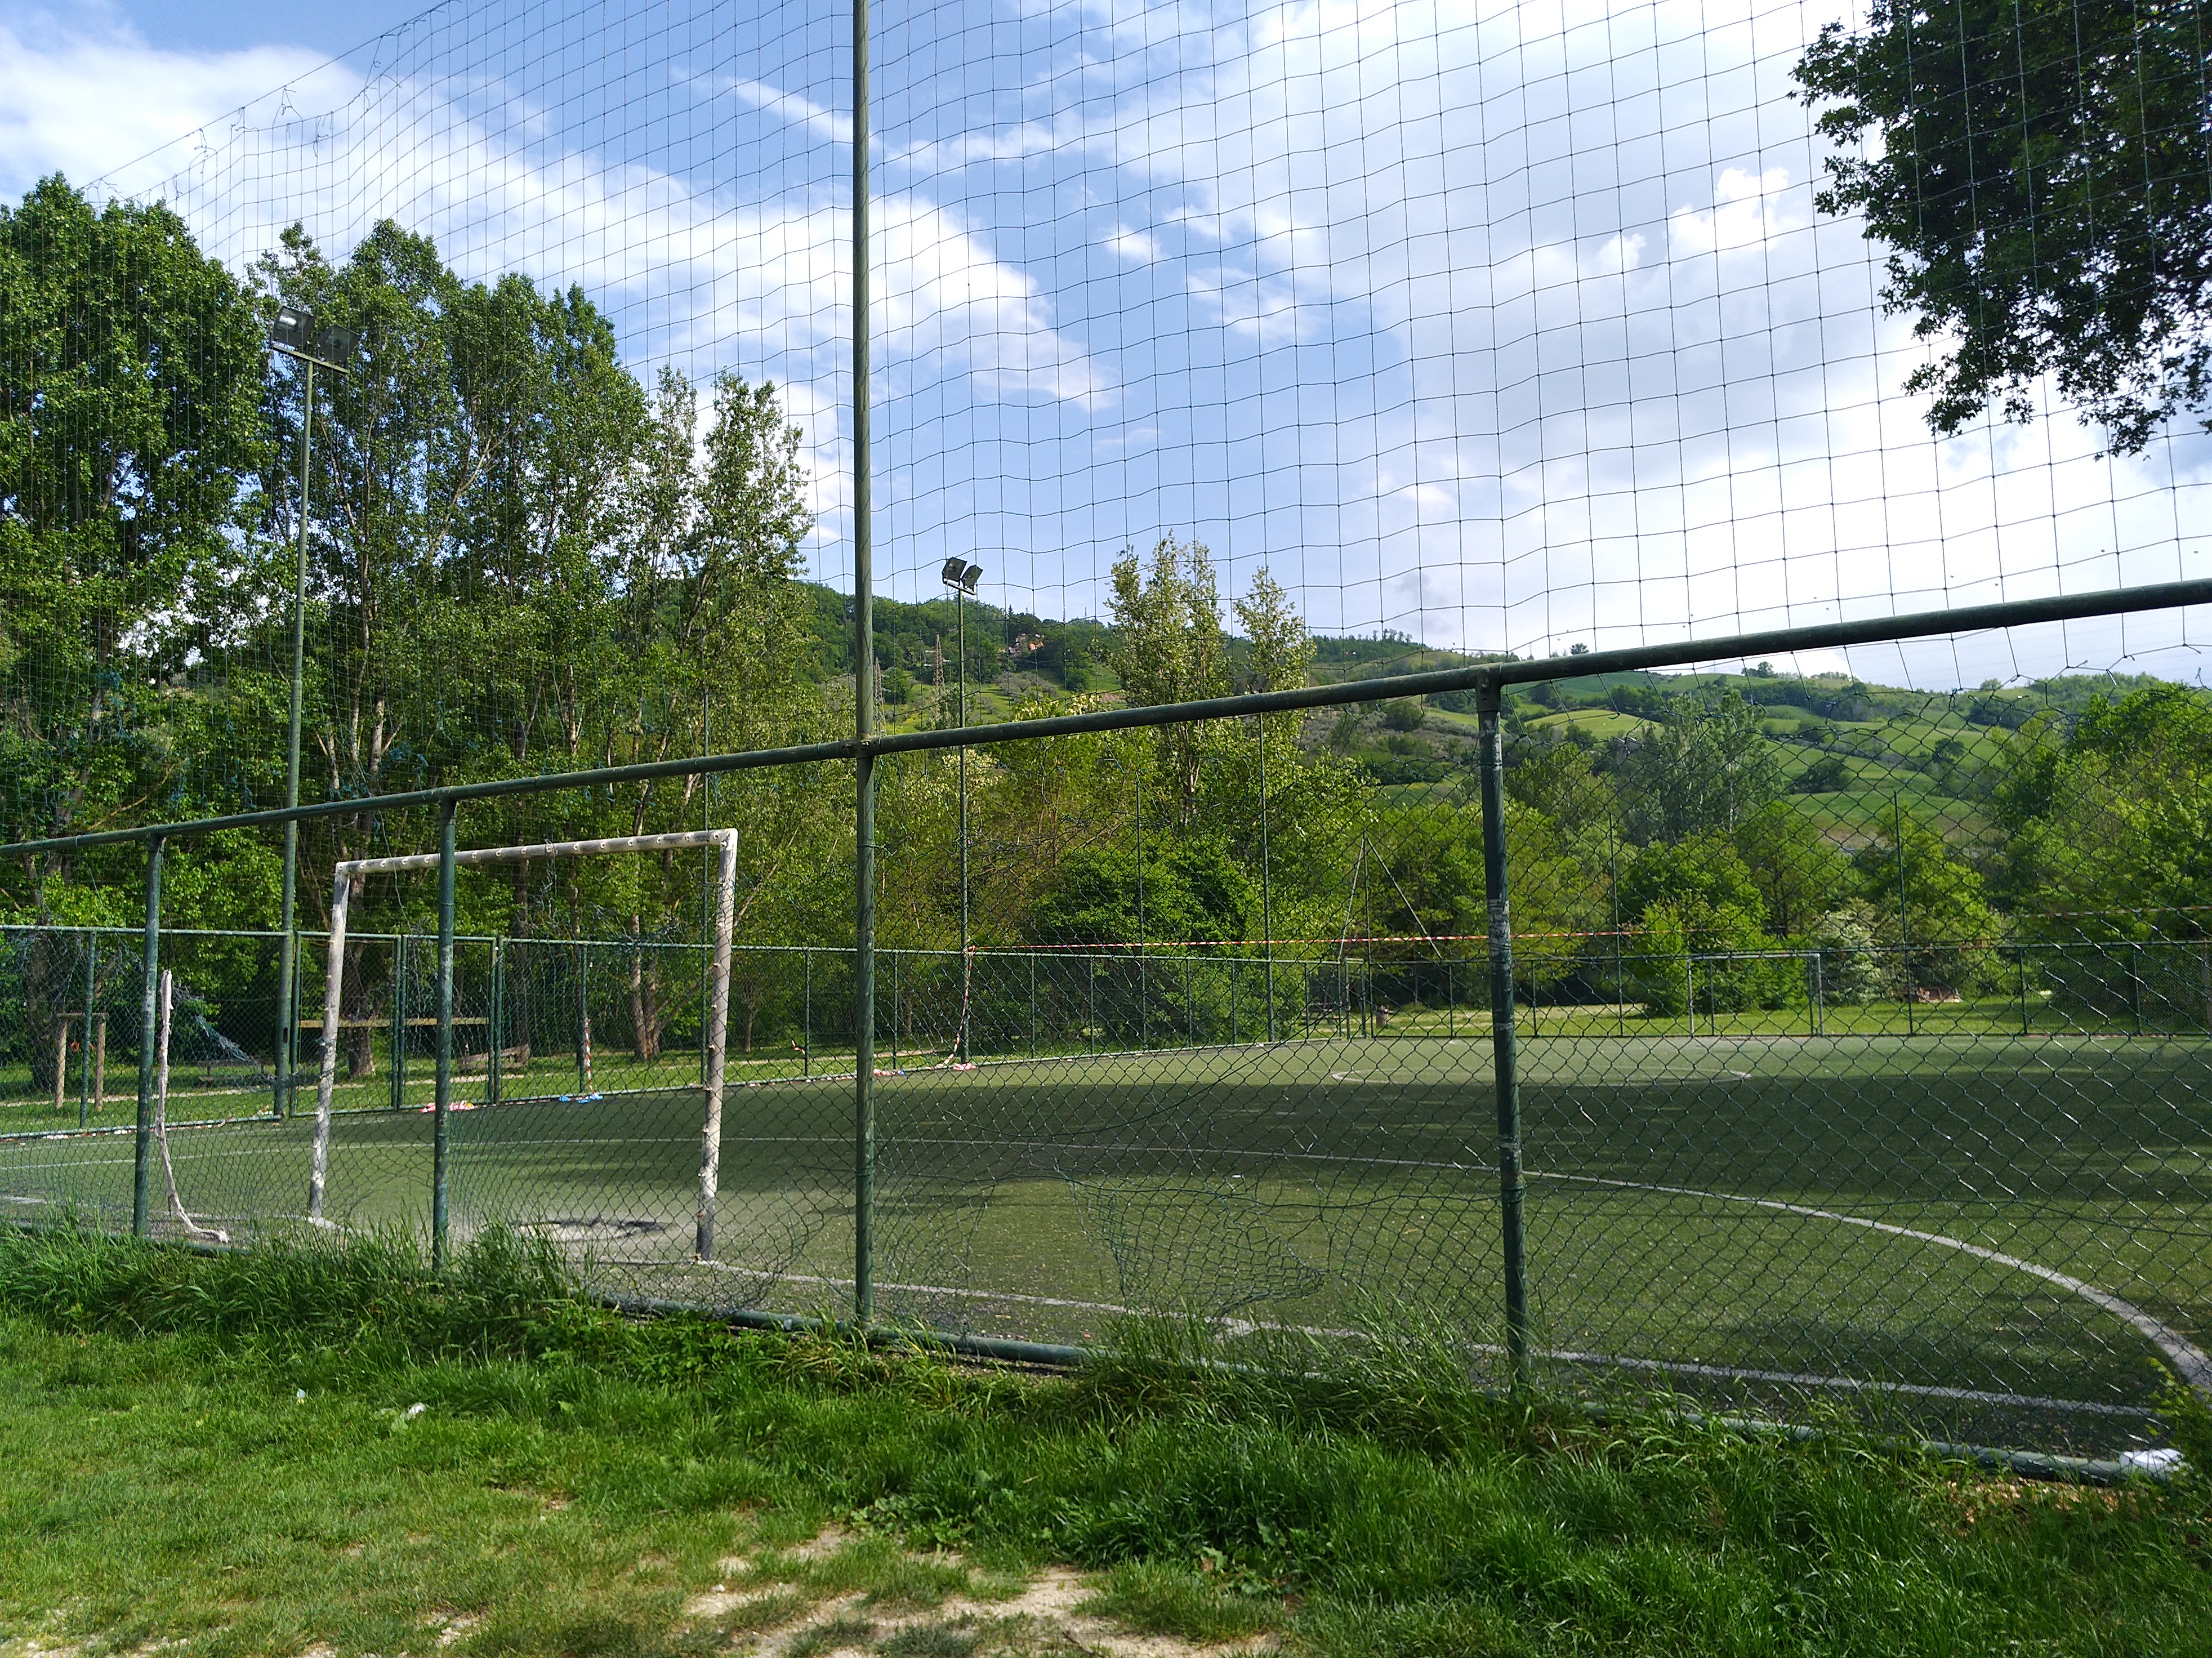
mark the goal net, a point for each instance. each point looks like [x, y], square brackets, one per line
[351, 874]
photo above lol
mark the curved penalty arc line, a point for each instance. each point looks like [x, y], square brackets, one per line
[2189, 1361]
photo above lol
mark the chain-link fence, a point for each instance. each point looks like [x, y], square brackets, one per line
[1841, 1067]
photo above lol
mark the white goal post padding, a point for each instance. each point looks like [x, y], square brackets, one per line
[350, 872]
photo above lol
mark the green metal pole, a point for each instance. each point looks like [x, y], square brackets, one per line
[1503, 1040]
[1904, 916]
[1620, 987]
[440, 1158]
[864, 1037]
[149, 1013]
[288, 944]
[84, 1071]
[583, 1015]
[493, 1056]
[707, 856]
[1267, 889]
[1033, 1011]
[806, 1019]
[960, 613]
[864, 688]
[400, 1022]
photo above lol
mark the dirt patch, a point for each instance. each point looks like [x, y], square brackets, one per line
[1044, 1615]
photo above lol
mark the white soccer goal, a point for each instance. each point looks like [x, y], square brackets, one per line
[718, 985]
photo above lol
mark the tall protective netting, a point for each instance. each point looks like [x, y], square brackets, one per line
[1845, 1036]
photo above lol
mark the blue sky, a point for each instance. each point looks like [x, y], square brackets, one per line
[218, 25]
[1501, 322]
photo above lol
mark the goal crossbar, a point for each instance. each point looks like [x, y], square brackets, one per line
[352, 872]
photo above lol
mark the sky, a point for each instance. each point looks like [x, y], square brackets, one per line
[1502, 324]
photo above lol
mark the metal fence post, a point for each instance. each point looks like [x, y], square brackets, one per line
[583, 1017]
[441, 1096]
[1266, 896]
[806, 1017]
[1503, 1040]
[864, 1033]
[400, 1022]
[84, 1070]
[864, 713]
[493, 1057]
[1619, 986]
[1033, 1016]
[149, 1013]
[1904, 915]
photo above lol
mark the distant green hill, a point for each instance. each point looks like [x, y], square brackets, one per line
[1843, 740]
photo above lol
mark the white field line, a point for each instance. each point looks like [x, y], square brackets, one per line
[1243, 1326]
[2191, 1362]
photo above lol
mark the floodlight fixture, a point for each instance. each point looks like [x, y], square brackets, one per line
[955, 567]
[294, 330]
[295, 334]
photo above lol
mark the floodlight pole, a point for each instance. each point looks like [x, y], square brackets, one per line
[287, 943]
[863, 690]
[960, 698]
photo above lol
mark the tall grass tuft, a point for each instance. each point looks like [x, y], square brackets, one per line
[1399, 1374]
[506, 1295]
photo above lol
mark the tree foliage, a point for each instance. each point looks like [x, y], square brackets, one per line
[2042, 174]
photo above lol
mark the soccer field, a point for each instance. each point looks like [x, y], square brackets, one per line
[2003, 1216]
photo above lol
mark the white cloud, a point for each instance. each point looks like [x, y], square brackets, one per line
[1507, 322]
[88, 96]
[1748, 212]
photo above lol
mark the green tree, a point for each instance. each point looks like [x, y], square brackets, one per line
[2043, 176]
[1698, 897]
[1928, 909]
[1710, 767]
[2122, 847]
[1168, 646]
[130, 369]
[1800, 874]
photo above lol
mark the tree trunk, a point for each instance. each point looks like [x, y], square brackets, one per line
[645, 1020]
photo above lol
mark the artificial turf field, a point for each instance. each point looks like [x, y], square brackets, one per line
[1743, 1203]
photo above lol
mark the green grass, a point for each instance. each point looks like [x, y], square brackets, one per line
[572, 1480]
[1669, 1178]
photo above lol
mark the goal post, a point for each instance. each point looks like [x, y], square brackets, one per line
[351, 872]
